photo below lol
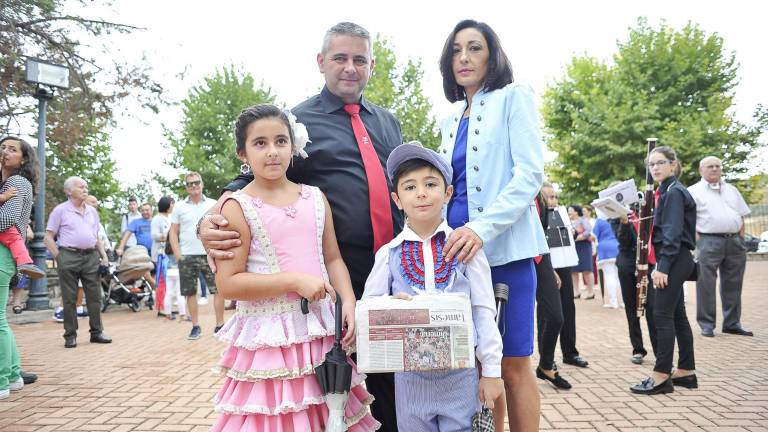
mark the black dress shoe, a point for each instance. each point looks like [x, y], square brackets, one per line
[648, 387]
[708, 333]
[688, 381]
[558, 381]
[741, 331]
[576, 361]
[70, 342]
[29, 378]
[100, 338]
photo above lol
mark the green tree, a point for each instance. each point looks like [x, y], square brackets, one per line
[397, 88]
[206, 142]
[79, 119]
[675, 85]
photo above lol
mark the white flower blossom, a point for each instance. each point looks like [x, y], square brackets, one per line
[300, 135]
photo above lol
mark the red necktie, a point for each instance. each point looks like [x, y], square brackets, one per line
[378, 193]
[651, 250]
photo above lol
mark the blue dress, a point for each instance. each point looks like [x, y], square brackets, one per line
[517, 327]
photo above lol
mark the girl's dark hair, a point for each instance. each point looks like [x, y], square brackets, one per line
[671, 155]
[29, 167]
[577, 208]
[164, 204]
[499, 72]
[255, 113]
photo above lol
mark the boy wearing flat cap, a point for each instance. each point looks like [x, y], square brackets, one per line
[413, 264]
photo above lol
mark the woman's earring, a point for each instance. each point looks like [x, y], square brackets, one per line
[245, 169]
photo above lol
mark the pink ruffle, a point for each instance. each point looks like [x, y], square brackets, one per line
[279, 330]
[312, 418]
[274, 362]
[275, 397]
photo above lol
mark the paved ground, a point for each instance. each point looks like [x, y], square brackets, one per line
[152, 379]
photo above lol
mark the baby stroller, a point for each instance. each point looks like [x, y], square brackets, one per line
[124, 282]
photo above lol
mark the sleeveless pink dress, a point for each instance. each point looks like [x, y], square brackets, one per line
[270, 383]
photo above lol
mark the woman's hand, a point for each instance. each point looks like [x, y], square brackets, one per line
[624, 218]
[660, 280]
[402, 296]
[217, 242]
[558, 281]
[348, 317]
[313, 288]
[490, 390]
[10, 193]
[462, 243]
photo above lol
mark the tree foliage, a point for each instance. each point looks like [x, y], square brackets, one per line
[78, 118]
[397, 88]
[206, 142]
[675, 85]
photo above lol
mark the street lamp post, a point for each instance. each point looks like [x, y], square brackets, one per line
[45, 76]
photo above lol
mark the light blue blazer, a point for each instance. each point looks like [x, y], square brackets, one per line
[505, 169]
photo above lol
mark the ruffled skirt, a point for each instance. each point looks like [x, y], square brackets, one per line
[270, 383]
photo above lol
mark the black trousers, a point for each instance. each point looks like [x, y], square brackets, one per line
[568, 332]
[381, 386]
[628, 282]
[671, 320]
[549, 312]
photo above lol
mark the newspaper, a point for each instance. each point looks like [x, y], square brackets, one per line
[429, 332]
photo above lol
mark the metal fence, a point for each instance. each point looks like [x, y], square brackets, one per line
[756, 223]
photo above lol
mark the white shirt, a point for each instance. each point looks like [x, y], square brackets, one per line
[161, 224]
[186, 214]
[718, 211]
[478, 273]
[125, 221]
[564, 256]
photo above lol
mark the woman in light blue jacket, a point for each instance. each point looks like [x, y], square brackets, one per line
[494, 144]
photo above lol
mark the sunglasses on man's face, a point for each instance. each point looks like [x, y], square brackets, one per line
[194, 183]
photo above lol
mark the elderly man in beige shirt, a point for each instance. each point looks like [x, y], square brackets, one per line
[720, 211]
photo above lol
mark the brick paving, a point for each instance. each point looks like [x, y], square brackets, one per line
[153, 379]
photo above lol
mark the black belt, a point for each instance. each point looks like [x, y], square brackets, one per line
[79, 251]
[726, 235]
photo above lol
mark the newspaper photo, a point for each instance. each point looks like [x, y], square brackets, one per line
[429, 332]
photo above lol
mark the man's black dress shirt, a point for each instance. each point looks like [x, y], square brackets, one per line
[674, 223]
[336, 167]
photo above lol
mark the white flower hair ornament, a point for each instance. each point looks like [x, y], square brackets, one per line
[300, 135]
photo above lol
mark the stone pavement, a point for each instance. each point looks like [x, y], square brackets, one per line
[153, 379]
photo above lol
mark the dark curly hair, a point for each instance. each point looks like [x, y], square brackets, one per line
[29, 166]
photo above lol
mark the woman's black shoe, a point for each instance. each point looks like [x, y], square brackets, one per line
[558, 381]
[648, 387]
[688, 381]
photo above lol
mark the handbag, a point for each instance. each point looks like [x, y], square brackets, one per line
[482, 421]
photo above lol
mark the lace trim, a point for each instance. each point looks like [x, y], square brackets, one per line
[284, 408]
[253, 346]
[277, 306]
[277, 374]
[257, 229]
[320, 227]
[362, 413]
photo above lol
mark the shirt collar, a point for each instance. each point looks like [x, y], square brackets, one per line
[667, 183]
[202, 200]
[332, 103]
[407, 234]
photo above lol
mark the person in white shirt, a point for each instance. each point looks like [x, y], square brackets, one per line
[189, 252]
[720, 211]
[448, 398]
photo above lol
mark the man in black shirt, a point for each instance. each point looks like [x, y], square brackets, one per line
[334, 164]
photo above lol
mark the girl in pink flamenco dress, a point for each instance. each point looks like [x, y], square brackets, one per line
[288, 251]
